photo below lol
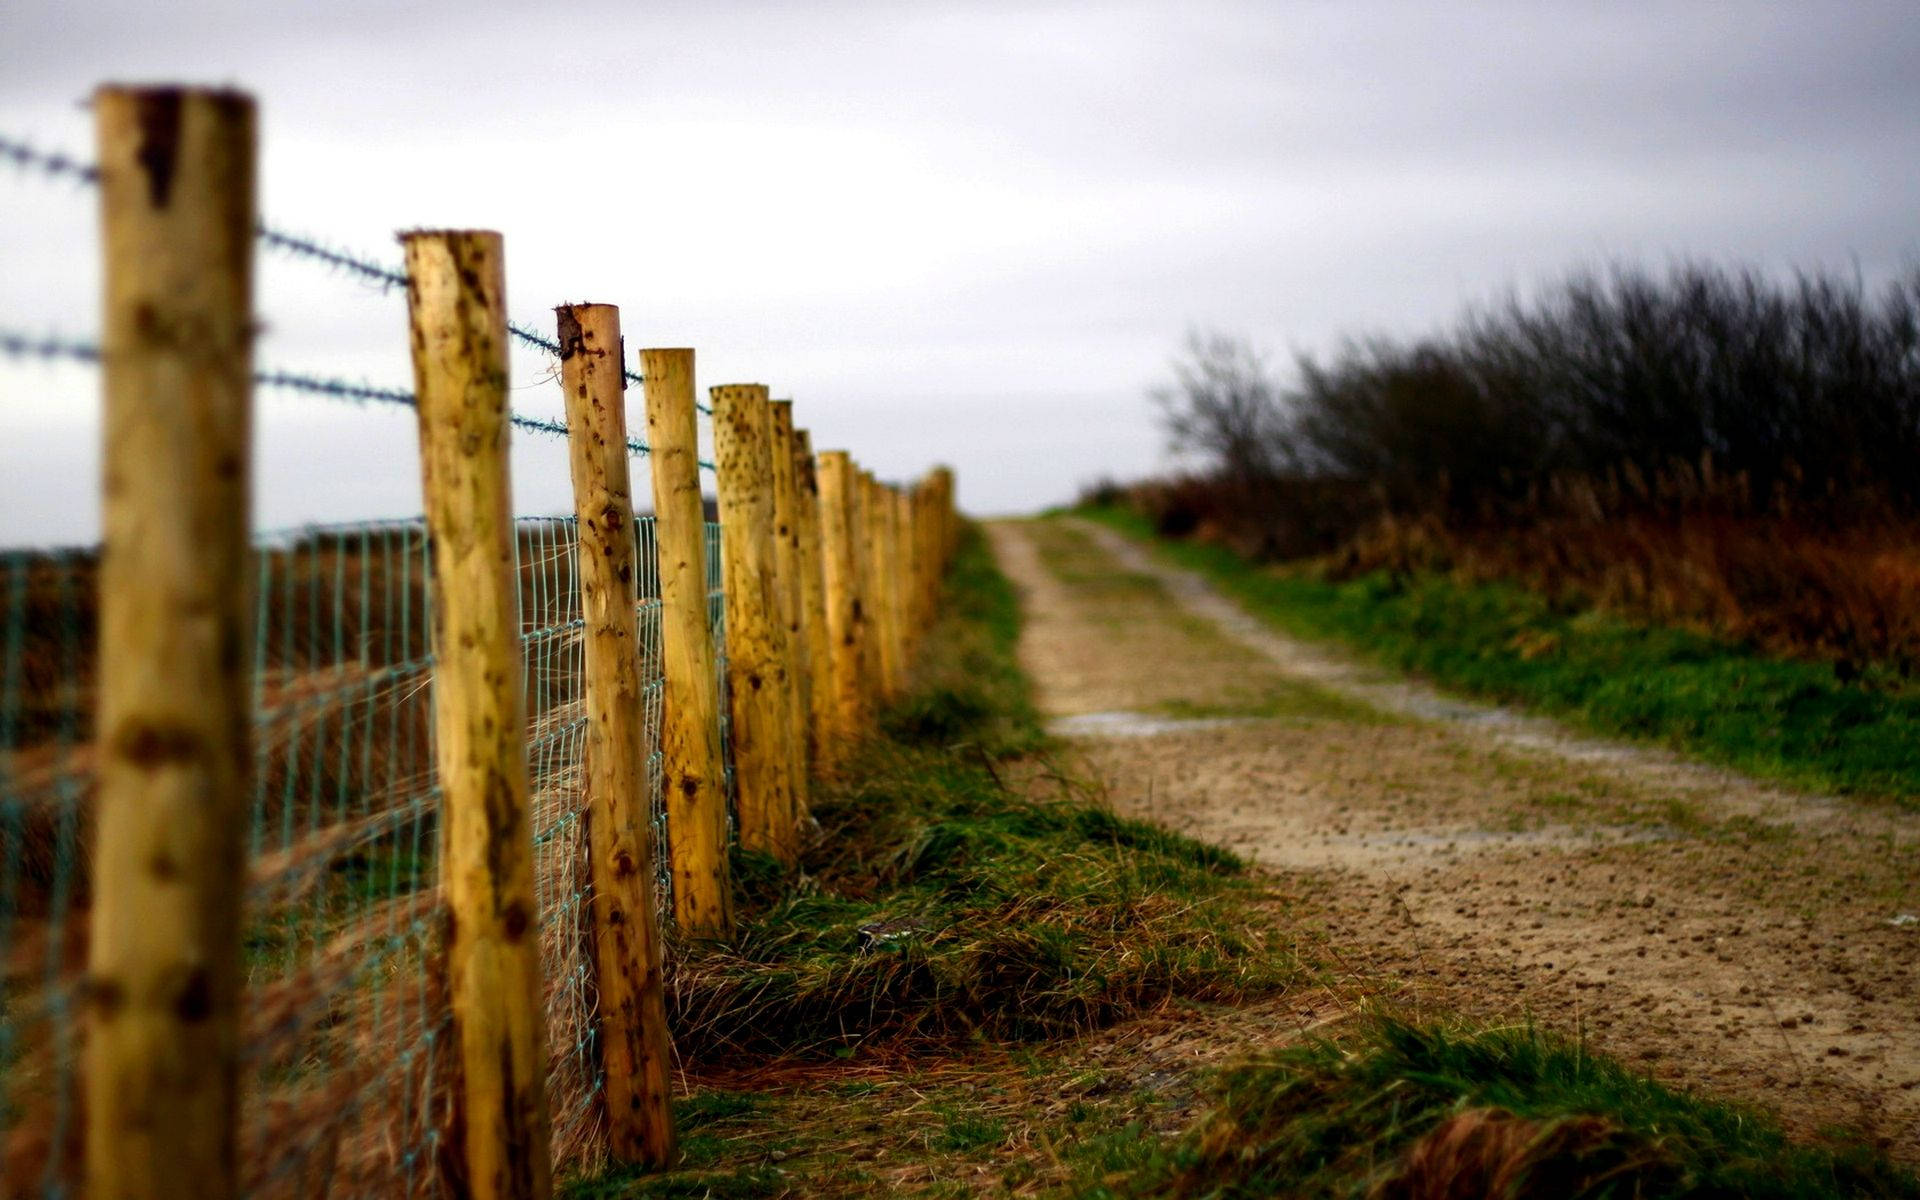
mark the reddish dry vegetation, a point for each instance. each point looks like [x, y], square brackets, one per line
[1490, 1152]
[1685, 549]
[345, 1023]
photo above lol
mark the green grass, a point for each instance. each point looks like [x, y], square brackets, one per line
[1784, 719]
[1402, 1110]
[1014, 924]
[943, 904]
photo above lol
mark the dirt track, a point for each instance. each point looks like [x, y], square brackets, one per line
[1714, 931]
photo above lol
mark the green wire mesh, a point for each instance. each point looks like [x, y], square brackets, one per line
[653, 694]
[346, 1087]
[346, 1018]
[46, 687]
[552, 630]
[717, 615]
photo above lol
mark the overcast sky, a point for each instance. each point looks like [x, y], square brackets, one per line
[971, 233]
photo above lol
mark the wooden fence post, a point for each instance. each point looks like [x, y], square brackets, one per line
[817, 645]
[909, 603]
[690, 720]
[634, 1048]
[949, 517]
[757, 661]
[860, 525]
[886, 578]
[786, 570]
[457, 305]
[174, 728]
[840, 582]
[925, 574]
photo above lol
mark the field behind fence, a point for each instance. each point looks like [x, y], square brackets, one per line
[344, 861]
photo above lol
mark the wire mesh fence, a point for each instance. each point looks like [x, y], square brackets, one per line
[717, 618]
[345, 1005]
[46, 682]
[350, 1076]
[346, 1089]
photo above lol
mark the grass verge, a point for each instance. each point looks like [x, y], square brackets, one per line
[1398, 1110]
[941, 904]
[908, 1012]
[1788, 720]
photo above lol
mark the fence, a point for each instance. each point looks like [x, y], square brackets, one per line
[343, 862]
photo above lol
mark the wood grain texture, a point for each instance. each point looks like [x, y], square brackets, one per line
[457, 306]
[840, 581]
[758, 687]
[690, 722]
[634, 1049]
[816, 641]
[174, 723]
[786, 569]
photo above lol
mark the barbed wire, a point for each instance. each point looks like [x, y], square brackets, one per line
[56, 165]
[52, 347]
[21, 345]
[48, 162]
[296, 246]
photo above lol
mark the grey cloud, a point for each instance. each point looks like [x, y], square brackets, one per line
[925, 220]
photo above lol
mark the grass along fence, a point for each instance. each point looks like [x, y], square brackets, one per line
[343, 862]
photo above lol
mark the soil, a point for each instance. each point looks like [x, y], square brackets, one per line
[1718, 932]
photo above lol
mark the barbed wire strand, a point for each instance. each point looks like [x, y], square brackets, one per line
[14, 344]
[56, 165]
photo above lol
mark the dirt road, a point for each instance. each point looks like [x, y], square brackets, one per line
[1714, 931]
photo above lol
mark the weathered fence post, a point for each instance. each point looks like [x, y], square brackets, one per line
[174, 727]
[757, 661]
[860, 525]
[909, 603]
[925, 574]
[690, 720]
[840, 581]
[886, 579]
[634, 1048]
[948, 516]
[817, 654]
[457, 305]
[786, 570]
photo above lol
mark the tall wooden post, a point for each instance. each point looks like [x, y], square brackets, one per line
[886, 584]
[456, 300]
[174, 723]
[757, 680]
[947, 517]
[924, 576]
[909, 594]
[897, 592]
[816, 646]
[786, 570]
[840, 581]
[866, 628]
[634, 1048]
[690, 719]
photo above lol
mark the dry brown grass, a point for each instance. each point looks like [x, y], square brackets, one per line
[346, 1051]
[1836, 581]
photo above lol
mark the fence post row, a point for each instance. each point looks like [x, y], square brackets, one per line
[175, 721]
[831, 582]
[758, 686]
[818, 660]
[786, 569]
[635, 1054]
[690, 721]
[457, 306]
[860, 520]
[840, 580]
